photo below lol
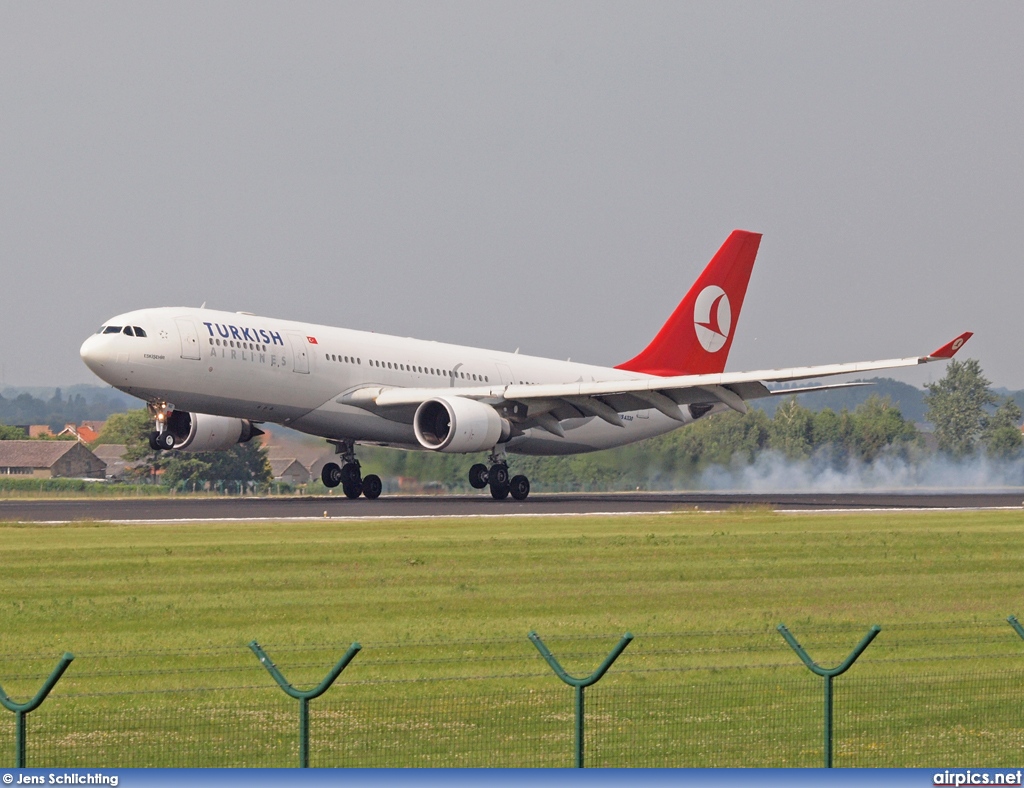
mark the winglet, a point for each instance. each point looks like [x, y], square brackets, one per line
[949, 349]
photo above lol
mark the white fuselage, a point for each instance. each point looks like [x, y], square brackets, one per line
[295, 374]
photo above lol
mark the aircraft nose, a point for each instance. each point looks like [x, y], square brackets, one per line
[91, 353]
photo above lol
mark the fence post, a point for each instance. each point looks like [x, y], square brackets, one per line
[579, 684]
[829, 674]
[21, 709]
[304, 697]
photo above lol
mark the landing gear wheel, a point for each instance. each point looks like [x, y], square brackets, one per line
[352, 489]
[498, 475]
[331, 475]
[478, 476]
[499, 492]
[372, 486]
[350, 472]
[152, 441]
[162, 441]
[519, 487]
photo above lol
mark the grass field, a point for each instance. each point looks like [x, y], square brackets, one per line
[163, 611]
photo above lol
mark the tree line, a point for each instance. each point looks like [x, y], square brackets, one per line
[57, 411]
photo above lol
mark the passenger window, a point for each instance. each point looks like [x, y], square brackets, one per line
[139, 332]
[112, 330]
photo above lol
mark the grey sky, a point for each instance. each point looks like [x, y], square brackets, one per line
[550, 176]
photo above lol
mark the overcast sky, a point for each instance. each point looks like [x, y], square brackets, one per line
[550, 176]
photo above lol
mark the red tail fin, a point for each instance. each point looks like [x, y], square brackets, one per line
[697, 337]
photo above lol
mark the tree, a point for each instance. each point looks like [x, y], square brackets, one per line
[131, 428]
[244, 464]
[11, 433]
[879, 425]
[792, 430]
[1002, 436]
[956, 407]
[188, 469]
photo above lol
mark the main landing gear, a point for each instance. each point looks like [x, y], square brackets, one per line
[496, 477]
[349, 476]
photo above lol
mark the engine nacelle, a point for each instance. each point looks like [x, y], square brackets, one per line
[457, 424]
[202, 432]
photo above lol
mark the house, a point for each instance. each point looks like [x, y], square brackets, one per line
[49, 460]
[316, 468]
[289, 470]
[83, 432]
[113, 455]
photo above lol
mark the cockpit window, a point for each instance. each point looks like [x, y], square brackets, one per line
[112, 330]
[127, 331]
[139, 332]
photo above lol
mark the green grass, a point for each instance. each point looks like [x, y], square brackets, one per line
[165, 612]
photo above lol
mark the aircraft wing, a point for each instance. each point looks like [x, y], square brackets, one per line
[545, 404]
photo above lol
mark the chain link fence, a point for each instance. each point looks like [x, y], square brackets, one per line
[756, 707]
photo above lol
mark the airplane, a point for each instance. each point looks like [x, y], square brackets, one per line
[210, 377]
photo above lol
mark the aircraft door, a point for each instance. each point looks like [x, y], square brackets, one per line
[189, 338]
[505, 372]
[300, 350]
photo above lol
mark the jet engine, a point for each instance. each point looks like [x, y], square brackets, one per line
[202, 432]
[457, 424]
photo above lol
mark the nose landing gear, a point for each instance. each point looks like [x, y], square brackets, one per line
[349, 475]
[161, 441]
[161, 438]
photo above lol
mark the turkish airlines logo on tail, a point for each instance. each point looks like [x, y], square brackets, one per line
[712, 318]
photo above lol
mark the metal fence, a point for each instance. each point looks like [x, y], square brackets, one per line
[909, 709]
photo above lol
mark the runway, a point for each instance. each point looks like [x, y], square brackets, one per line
[552, 504]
